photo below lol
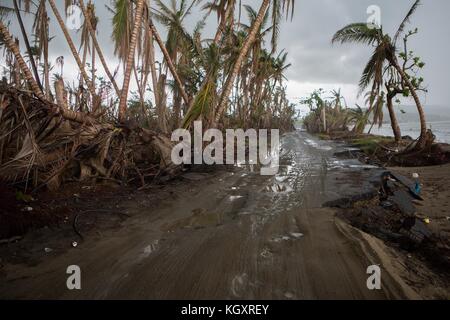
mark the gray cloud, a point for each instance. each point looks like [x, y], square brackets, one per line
[307, 39]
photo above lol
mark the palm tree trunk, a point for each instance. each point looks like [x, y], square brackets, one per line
[423, 123]
[394, 122]
[72, 47]
[151, 54]
[47, 72]
[130, 61]
[27, 44]
[11, 45]
[141, 90]
[93, 77]
[237, 65]
[169, 61]
[98, 48]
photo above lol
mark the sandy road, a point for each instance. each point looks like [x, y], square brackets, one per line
[236, 235]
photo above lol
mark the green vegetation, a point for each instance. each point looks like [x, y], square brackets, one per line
[385, 70]
[370, 144]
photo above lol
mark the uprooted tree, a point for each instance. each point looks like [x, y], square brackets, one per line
[65, 127]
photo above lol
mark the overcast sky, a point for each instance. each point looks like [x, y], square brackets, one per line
[315, 62]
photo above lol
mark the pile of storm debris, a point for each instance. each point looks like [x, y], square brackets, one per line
[384, 152]
[391, 215]
[44, 145]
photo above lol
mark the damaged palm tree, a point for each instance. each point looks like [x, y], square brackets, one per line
[40, 146]
[44, 144]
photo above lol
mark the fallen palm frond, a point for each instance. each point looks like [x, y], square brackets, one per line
[42, 144]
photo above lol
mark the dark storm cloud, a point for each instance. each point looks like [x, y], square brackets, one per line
[308, 37]
[308, 40]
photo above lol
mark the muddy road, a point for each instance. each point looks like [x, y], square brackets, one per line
[230, 235]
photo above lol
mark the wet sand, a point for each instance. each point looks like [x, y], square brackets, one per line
[229, 235]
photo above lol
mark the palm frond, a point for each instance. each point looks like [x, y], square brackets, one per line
[358, 33]
[406, 20]
[374, 69]
[4, 11]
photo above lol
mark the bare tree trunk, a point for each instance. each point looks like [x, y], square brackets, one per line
[169, 62]
[153, 67]
[11, 45]
[130, 61]
[324, 119]
[161, 108]
[93, 67]
[27, 44]
[61, 94]
[98, 48]
[72, 48]
[238, 63]
[47, 72]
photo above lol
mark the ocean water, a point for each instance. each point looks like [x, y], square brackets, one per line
[441, 130]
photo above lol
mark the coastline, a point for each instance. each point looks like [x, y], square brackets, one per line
[425, 267]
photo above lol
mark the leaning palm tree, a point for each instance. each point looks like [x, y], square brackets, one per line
[25, 38]
[12, 46]
[41, 31]
[97, 46]
[130, 60]
[385, 53]
[177, 44]
[223, 102]
[71, 44]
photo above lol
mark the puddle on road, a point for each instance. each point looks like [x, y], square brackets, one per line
[253, 200]
[291, 236]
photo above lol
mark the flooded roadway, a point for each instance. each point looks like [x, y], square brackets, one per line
[236, 235]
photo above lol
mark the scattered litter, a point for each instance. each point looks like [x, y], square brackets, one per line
[266, 253]
[386, 204]
[417, 188]
[27, 209]
[74, 244]
[414, 187]
[297, 235]
[280, 239]
[148, 250]
[48, 250]
[427, 220]
[289, 295]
